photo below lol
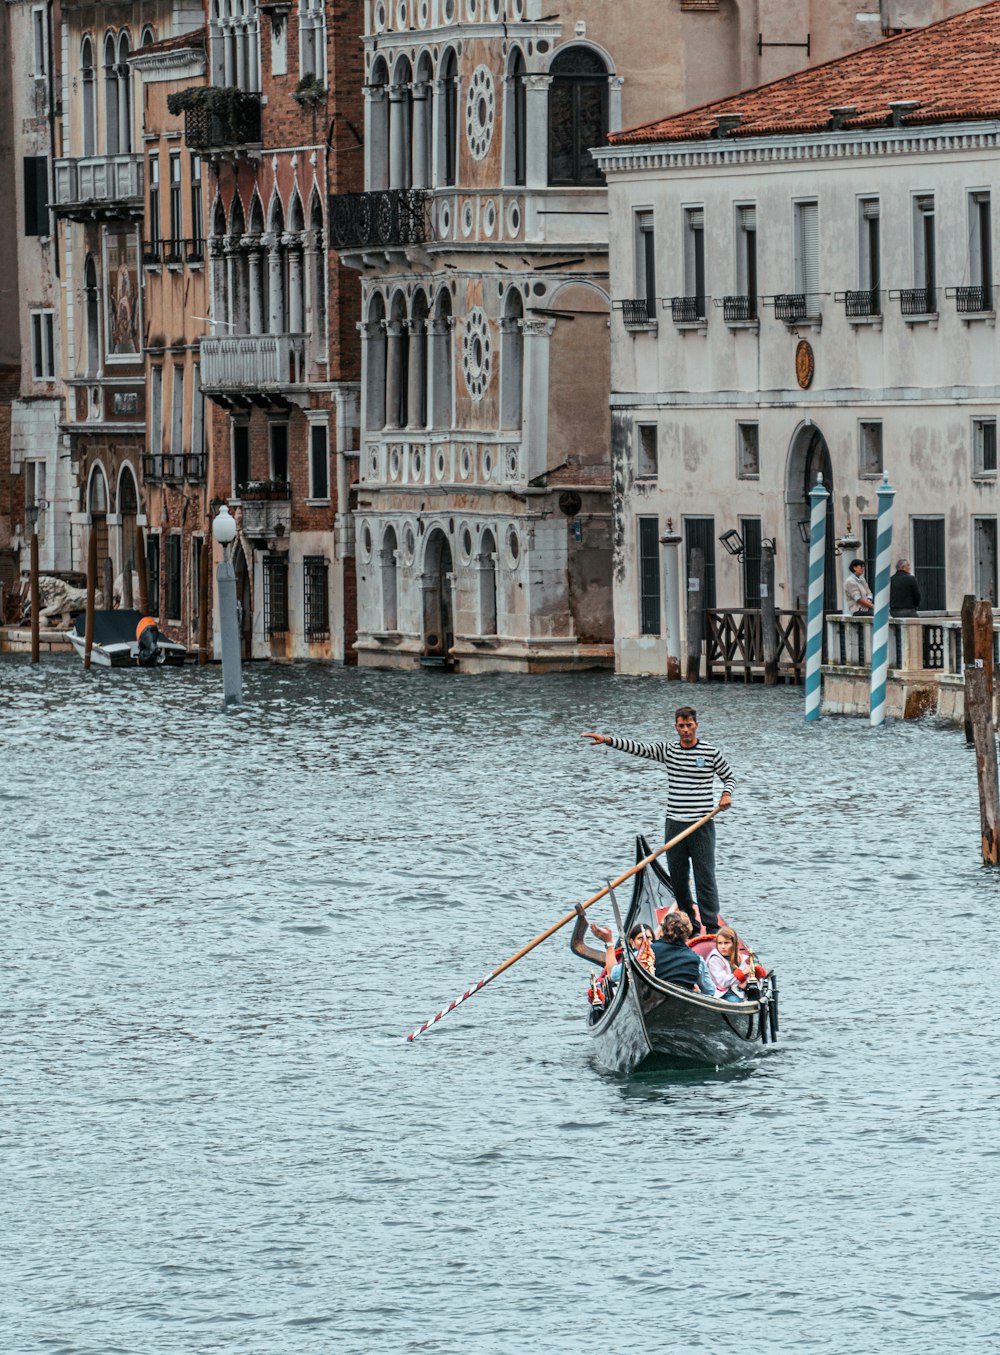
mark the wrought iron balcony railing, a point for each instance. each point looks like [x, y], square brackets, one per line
[394, 216]
[637, 312]
[686, 310]
[918, 301]
[790, 306]
[195, 467]
[739, 309]
[971, 299]
[253, 362]
[227, 123]
[864, 303]
[98, 185]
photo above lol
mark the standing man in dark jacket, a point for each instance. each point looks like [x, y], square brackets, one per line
[692, 767]
[904, 591]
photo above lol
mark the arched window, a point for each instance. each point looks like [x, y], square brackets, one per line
[448, 120]
[148, 37]
[218, 266]
[295, 285]
[387, 560]
[93, 311]
[277, 301]
[515, 120]
[441, 361]
[128, 510]
[111, 110]
[239, 271]
[89, 79]
[488, 584]
[396, 393]
[423, 124]
[377, 140]
[97, 506]
[124, 95]
[312, 39]
[375, 364]
[257, 272]
[401, 126]
[512, 361]
[417, 398]
[578, 116]
[317, 279]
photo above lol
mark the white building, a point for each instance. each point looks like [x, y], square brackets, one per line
[804, 281]
[484, 531]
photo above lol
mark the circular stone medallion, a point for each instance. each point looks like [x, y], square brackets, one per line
[805, 364]
[480, 106]
[477, 352]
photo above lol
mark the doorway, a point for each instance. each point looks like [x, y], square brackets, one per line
[438, 636]
[808, 457]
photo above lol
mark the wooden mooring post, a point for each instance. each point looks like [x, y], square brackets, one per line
[968, 654]
[108, 583]
[695, 613]
[203, 563]
[140, 569]
[768, 628]
[88, 629]
[35, 600]
[979, 705]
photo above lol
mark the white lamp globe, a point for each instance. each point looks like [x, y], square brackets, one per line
[224, 526]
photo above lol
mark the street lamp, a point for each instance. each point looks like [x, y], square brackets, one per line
[224, 531]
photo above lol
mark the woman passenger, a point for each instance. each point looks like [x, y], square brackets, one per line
[723, 959]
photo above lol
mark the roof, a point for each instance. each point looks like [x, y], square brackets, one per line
[949, 70]
[195, 39]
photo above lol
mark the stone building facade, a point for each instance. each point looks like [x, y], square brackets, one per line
[280, 363]
[484, 524]
[826, 257]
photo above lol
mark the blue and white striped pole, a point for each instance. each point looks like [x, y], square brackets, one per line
[880, 622]
[818, 496]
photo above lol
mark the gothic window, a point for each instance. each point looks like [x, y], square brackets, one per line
[388, 570]
[578, 116]
[515, 120]
[375, 364]
[448, 85]
[89, 77]
[92, 294]
[401, 126]
[441, 360]
[124, 71]
[111, 111]
[378, 126]
[512, 361]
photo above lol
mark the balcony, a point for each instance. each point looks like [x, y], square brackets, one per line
[253, 364]
[918, 301]
[973, 300]
[865, 304]
[790, 307]
[391, 218]
[739, 310]
[688, 310]
[267, 512]
[639, 314]
[195, 467]
[222, 121]
[98, 187]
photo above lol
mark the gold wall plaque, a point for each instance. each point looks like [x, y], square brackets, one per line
[805, 364]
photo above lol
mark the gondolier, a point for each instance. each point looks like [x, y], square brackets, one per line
[692, 767]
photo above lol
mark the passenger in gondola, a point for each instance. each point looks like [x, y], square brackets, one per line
[723, 959]
[675, 960]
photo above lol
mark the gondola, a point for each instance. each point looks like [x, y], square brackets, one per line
[648, 1019]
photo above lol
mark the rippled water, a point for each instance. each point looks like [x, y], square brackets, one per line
[220, 927]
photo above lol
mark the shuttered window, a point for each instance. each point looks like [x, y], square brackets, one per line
[699, 533]
[36, 195]
[649, 576]
[807, 253]
[928, 562]
[750, 530]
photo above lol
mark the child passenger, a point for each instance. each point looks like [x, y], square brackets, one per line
[723, 959]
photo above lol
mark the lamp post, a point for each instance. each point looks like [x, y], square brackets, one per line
[32, 512]
[224, 531]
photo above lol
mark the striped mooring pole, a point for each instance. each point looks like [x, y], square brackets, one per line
[880, 620]
[818, 496]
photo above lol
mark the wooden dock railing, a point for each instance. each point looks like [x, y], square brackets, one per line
[734, 646]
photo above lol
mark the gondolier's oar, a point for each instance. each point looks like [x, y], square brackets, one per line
[561, 923]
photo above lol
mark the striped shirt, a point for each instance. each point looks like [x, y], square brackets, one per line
[691, 773]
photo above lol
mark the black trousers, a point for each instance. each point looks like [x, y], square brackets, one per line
[697, 853]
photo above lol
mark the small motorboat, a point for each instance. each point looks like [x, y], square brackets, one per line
[125, 639]
[646, 1018]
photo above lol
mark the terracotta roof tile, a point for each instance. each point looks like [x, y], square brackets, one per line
[951, 69]
[195, 39]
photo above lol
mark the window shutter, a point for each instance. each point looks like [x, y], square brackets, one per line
[696, 218]
[870, 209]
[809, 247]
[36, 195]
[748, 218]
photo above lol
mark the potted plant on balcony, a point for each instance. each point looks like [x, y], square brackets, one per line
[265, 489]
[309, 91]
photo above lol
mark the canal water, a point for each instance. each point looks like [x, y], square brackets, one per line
[219, 929]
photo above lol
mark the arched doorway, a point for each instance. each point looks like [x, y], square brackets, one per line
[128, 509]
[97, 507]
[439, 630]
[244, 601]
[808, 457]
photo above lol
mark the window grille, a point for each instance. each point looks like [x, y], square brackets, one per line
[275, 594]
[317, 597]
[649, 576]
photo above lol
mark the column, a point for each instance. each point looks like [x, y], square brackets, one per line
[394, 373]
[537, 334]
[417, 376]
[256, 285]
[421, 133]
[296, 317]
[276, 309]
[536, 102]
[217, 267]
